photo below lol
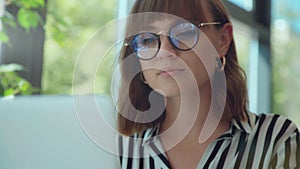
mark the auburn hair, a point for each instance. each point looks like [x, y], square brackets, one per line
[236, 105]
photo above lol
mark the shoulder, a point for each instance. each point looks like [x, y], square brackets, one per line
[269, 140]
[282, 136]
[268, 129]
[276, 130]
[270, 125]
[273, 124]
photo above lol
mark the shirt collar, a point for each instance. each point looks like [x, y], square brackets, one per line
[244, 126]
[150, 134]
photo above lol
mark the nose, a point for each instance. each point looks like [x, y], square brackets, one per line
[166, 48]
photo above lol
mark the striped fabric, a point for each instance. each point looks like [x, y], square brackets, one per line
[264, 141]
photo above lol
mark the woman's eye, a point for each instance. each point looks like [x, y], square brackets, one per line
[147, 41]
[185, 34]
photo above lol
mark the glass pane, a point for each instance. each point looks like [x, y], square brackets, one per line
[69, 25]
[245, 4]
[285, 41]
[247, 47]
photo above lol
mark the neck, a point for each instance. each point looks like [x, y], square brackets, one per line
[184, 121]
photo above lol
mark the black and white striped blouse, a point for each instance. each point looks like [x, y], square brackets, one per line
[264, 141]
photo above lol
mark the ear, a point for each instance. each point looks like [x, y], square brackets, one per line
[225, 39]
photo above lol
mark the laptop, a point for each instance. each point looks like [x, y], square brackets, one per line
[48, 132]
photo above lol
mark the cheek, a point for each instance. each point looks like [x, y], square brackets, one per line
[149, 74]
[146, 65]
[205, 57]
[201, 70]
[149, 70]
[214, 41]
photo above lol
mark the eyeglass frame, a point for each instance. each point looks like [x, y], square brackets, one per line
[202, 24]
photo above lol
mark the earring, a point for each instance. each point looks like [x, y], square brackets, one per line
[143, 78]
[220, 67]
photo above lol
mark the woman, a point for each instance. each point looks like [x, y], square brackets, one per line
[195, 118]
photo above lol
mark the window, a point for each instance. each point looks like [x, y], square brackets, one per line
[66, 38]
[247, 48]
[252, 40]
[245, 4]
[285, 48]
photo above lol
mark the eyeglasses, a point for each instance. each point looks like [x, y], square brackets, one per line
[183, 36]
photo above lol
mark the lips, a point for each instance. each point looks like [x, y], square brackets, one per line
[168, 71]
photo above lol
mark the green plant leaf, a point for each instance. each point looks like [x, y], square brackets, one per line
[31, 3]
[11, 67]
[8, 19]
[58, 19]
[25, 87]
[1, 90]
[9, 22]
[3, 37]
[27, 18]
[12, 84]
[9, 92]
[57, 34]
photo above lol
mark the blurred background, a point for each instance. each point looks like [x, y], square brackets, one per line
[41, 40]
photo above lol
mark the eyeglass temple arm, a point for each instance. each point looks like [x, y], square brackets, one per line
[209, 23]
[212, 23]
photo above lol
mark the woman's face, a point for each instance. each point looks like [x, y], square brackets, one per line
[172, 69]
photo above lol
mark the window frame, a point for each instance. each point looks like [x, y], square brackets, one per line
[260, 74]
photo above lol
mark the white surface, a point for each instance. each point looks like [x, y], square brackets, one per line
[43, 132]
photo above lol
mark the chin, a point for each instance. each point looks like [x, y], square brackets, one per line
[169, 92]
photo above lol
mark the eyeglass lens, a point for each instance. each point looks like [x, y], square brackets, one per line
[183, 36]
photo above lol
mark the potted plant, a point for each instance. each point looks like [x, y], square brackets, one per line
[11, 84]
